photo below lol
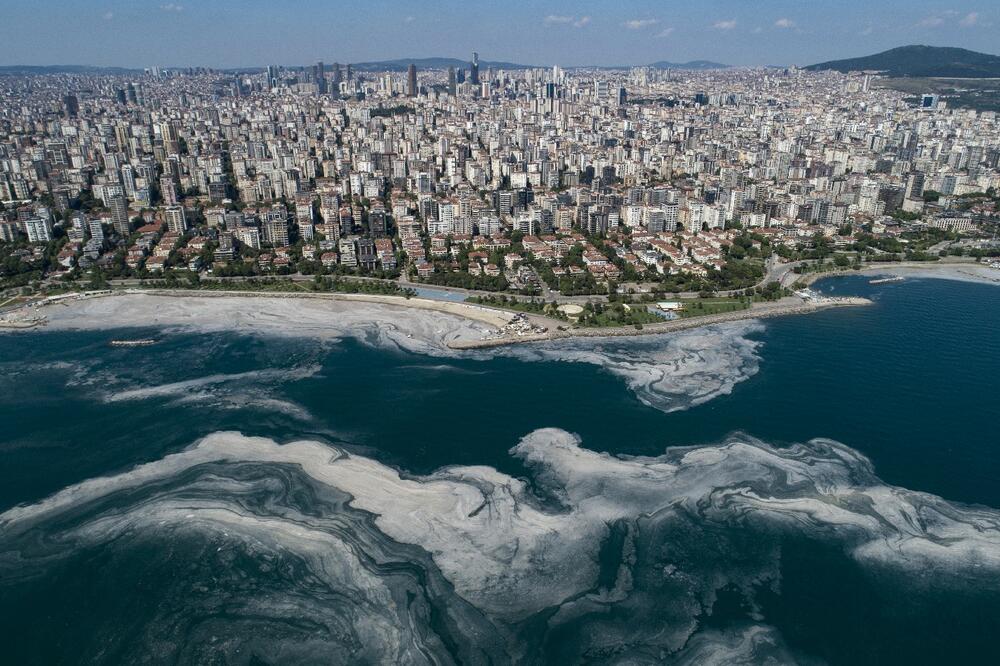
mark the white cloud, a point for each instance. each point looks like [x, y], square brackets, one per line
[108, 16]
[784, 23]
[639, 24]
[172, 7]
[555, 19]
[666, 32]
[409, 19]
[949, 17]
[724, 25]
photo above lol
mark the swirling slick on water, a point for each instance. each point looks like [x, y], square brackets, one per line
[301, 552]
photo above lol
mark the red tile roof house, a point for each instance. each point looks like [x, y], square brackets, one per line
[155, 264]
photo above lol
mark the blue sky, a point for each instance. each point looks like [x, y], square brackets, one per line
[232, 33]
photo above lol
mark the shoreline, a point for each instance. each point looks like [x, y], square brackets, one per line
[496, 318]
[965, 271]
[482, 314]
[785, 307]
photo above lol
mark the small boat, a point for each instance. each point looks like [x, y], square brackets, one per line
[895, 278]
[145, 342]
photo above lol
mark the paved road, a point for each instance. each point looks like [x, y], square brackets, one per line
[775, 272]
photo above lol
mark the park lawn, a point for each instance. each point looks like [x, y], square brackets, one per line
[698, 307]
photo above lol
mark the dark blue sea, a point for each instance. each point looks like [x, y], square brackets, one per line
[840, 504]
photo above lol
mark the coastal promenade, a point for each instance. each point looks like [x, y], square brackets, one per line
[499, 319]
[557, 329]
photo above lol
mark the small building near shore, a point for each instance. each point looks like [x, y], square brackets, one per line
[670, 306]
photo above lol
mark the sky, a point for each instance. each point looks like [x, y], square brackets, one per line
[240, 33]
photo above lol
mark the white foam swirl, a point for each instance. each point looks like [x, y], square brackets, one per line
[516, 550]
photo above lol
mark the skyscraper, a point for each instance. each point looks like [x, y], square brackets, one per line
[411, 80]
[119, 214]
[72, 106]
[452, 86]
[474, 69]
[321, 77]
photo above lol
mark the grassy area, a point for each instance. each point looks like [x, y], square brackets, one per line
[698, 307]
[502, 301]
[594, 315]
[618, 314]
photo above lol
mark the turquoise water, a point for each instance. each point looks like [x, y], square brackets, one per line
[911, 382]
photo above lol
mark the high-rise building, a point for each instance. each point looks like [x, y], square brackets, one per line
[337, 77]
[915, 185]
[96, 230]
[411, 80]
[452, 85]
[175, 219]
[119, 214]
[39, 230]
[72, 105]
[276, 229]
[168, 191]
[474, 69]
[8, 231]
[321, 77]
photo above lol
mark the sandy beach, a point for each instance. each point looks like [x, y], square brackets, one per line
[412, 323]
[408, 322]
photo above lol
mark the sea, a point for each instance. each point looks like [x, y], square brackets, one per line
[822, 488]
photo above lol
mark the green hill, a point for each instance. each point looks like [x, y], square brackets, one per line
[921, 61]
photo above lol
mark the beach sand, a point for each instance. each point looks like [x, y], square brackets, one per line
[409, 323]
[416, 324]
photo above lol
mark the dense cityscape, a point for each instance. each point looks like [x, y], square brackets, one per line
[538, 182]
[521, 333]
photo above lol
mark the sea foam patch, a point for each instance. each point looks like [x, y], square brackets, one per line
[670, 372]
[622, 554]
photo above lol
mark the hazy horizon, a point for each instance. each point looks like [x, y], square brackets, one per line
[252, 33]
